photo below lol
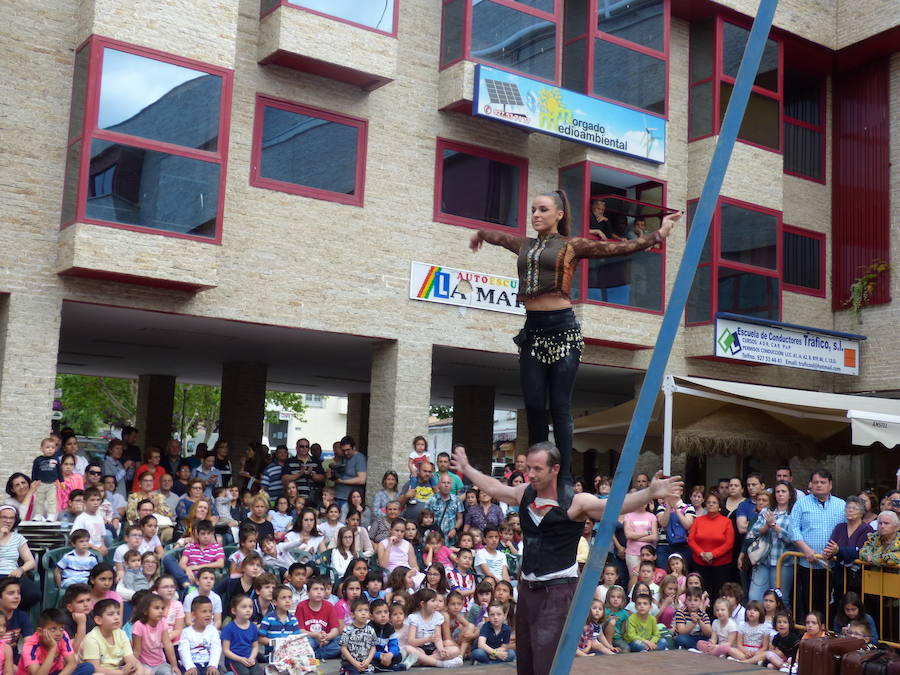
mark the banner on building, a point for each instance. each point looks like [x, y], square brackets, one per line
[464, 288]
[542, 107]
[779, 346]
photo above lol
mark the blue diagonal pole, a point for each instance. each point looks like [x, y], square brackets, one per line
[590, 577]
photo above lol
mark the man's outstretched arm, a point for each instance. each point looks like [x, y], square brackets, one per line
[496, 489]
[587, 505]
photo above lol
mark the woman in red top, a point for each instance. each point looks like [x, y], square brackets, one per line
[711, 539]
[551, 343]
[151, 465]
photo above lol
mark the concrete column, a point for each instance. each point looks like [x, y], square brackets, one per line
[358, 420]
[398, 411]
[29, 344]
[156, 396]
[473, 422]
[243, 407]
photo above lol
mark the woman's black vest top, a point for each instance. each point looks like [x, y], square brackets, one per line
[552, 545]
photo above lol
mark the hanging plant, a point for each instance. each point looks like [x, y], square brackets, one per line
[863, 288]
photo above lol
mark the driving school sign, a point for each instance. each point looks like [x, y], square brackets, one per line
[464, 288]
[780, 346]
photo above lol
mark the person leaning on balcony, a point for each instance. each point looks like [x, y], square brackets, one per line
[883, 547]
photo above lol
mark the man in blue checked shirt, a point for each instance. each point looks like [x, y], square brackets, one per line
[813, 518]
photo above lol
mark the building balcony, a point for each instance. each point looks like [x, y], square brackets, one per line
[297, 38]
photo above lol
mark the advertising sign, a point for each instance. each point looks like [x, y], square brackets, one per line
[542, 107]
[778, 346]
[464, 288]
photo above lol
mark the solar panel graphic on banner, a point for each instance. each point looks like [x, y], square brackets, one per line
[503, 93]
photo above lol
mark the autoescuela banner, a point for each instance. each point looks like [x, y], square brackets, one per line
[542, 107]
[464, 288]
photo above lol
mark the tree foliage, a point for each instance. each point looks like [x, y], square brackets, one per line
[90, 404]
[442, 412]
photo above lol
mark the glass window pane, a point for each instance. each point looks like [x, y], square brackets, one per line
[706, 253]
[802, 97]
[761, 123]
[572, 181]
[701, 105]
[638, 21]
[802, 261]
[700, 298]
[543, 5]
[803, 151]
[79, 91]
[70, 186]
[452, 31]
[702, 50]
[160, 101]
[293, 144]
[634, 280]
[134, 186]
[624, 75]
[749, 237]
[734, 41]
[513, 39]
[574, 61]
[480, 189]
[749, 294]
[575, 17]
[377, 14]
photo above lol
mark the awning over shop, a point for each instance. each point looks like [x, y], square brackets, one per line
[700, 407]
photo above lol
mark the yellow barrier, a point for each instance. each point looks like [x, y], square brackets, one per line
[881, 583]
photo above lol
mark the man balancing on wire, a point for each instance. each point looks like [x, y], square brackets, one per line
[552, 518]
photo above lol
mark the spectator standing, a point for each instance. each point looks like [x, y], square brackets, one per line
[388, 492]
[353, 474]
[712, 542]
[813, 519]
[132, 452]
[172, 456]
[447, 509]
[312, 475]
[70, 447]
[457, 487]
[843, 548]
[883, 547]
[281, 470]
[641, 529]
[222, 462]
[784, 473]
[675, 519]
[114, 465]
[208, 473]
[773, 524]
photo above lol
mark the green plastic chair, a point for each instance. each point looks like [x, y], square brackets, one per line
[52, 593]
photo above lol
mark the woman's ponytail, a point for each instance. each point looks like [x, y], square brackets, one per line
[562, 203]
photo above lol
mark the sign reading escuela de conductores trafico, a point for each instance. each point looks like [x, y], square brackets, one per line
[778, 346]
[464, 288]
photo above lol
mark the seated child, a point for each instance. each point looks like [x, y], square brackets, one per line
[75, 566]
[279, 622]
[358, 640]
[48, 651]
[494, 638]
[240, 639]
[206, 578]
[641, 630]
[387, 648]
[200, 646]
[77, 617]
[150, 636]
[107, 647]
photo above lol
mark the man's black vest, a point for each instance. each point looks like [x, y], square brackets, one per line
[552, 545]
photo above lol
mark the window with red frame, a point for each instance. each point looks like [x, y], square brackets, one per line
[477, 187]
[618, 51]
[804, 126]
[517, 35]
[376, 15]
[739, 269]
[632, 205]
[716, 49]
[804, 261]
[147, 141]
[289, 141]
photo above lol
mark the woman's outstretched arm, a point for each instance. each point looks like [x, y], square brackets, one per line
[509, 241]
[587, 248]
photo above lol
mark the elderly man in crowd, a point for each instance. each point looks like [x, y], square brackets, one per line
[883, 546]
[447, 509]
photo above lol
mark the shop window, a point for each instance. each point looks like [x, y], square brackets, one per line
[804, 261]
[377, 15]
[477, 187]
[290, 139]
[516, 35]
[739, 270]
[153, 130]
[712, 80]
[621, 205]
[804, 126]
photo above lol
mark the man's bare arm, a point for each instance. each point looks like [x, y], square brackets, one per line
[496, 489]
[587, 505]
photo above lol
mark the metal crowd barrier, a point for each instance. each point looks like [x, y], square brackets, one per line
[880, 594]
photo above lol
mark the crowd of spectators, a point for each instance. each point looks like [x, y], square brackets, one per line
[169, 550]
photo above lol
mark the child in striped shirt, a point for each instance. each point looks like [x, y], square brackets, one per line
[279, 622]
[75, 566]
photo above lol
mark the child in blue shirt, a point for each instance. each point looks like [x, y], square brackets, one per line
[495, 637]
[240, 639]
[279, 622]
[387, 646]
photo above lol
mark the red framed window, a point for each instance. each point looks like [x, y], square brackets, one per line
[803, 261]
[148, 139]
[289, 140]
[480, 188]
[636, 281]
[380, 17]
[804, 126]
[619, 51]
[522, 36]
[740, 265]
[716, 48]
